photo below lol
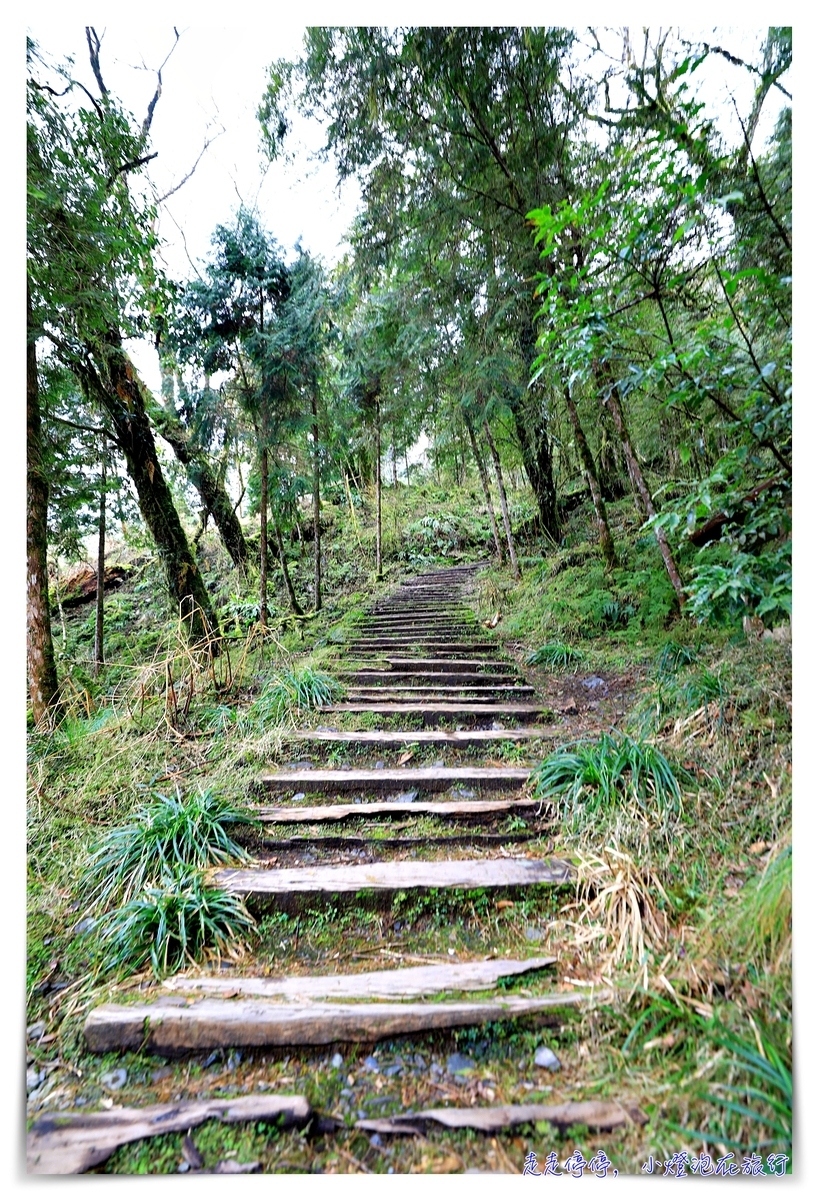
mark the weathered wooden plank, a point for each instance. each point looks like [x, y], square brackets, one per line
[362, 646]
[441, 707]
[464, 692]
[67, 1143]
[298, 815]
[482, 666]
[386, 737]
[369, 676]
[400, 983]
[390, 876]
[430, 779]
[175, 1026]
[601, 1115]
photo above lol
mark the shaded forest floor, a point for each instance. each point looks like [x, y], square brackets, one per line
[688, 924]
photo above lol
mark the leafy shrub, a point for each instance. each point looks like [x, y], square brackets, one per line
[616, 614]
[761, 583]
[592, 777]
[171, 923]
[555, 654]
[291, 692]
[169, 833]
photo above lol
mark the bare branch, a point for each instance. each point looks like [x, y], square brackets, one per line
[739, 62]
[131, 165]
[184, 179]
[94, 45]
[146, 124]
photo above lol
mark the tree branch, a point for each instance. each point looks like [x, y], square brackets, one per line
[94, 45]
[131, 165]
[209, 142]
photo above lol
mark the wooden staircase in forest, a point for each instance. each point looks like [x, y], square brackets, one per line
[419, 657]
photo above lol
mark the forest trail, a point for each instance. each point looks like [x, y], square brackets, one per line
[425, 632]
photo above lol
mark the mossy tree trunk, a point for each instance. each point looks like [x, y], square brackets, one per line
[606, 541]
[501, 487]
[43, 685]
[484, 480]
[118, 391]
[99, 624]
[316, 507]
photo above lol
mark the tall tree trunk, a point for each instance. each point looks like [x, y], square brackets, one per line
[495, 458]
[605, 539]
[378, 530]
[484, 479]
[118, 392]
[533, 434]
[285, 571]
[612, 470]
[99, 625]
[394, 460]
[42, 671]
[316, 508]
[642, 496]
[262, 583]
[212, 491]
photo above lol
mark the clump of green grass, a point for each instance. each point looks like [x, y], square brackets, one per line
[294, 691]
[763, 925]
[171, 923]
[556, 655]
[674, 655]
[589, 778]
[168, 833]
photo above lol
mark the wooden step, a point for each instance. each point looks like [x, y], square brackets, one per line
[172, 1028]
[496, 692]
[483, 666]
[599, 1115]
[435, 678]
[393, 876]
[464, 710]
[428, 779]
[385, 737]
[457, 809]
[438, 648]
[400, 983]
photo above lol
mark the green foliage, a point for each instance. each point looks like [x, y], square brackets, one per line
[759, 583]
[672, 656]
[556, 655]
[171, 923]
[586, 778]
[169, 834]
[292, 692]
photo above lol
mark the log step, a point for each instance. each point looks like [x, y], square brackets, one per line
[463, 709]
[433, 678]
[301, 815]
[481, 665]
[438, 648]
[429, 779]
[400, 983]
[407, 692]
[177, 1028]
[392, 876]
[385, 737]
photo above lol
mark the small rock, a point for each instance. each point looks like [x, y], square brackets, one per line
[439, 763]
[380, 764]
[593, 682]
[534, 935]
[375, 1140]
[371, 1063]
[420, 1062]
[395, 1069]
[456, 1064]
[182, 1168]
[114, 1080]
[496, 725]
[160, 1073]
[403, 798]
[84, 926]
[233, 1060]
[436, 1069]
[357, 800]
[300, 796]
[461, 793]
[36, 1031]
[346, 1092]
[34, 1078]
[337, 1061]
[361, 1114]
[547, 1058]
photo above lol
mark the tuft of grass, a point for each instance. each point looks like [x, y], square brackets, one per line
[674, 655]
[168, 833]
[557, 655]
[294, 691]
[587, 778]
[171, 923]
[763, 926]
